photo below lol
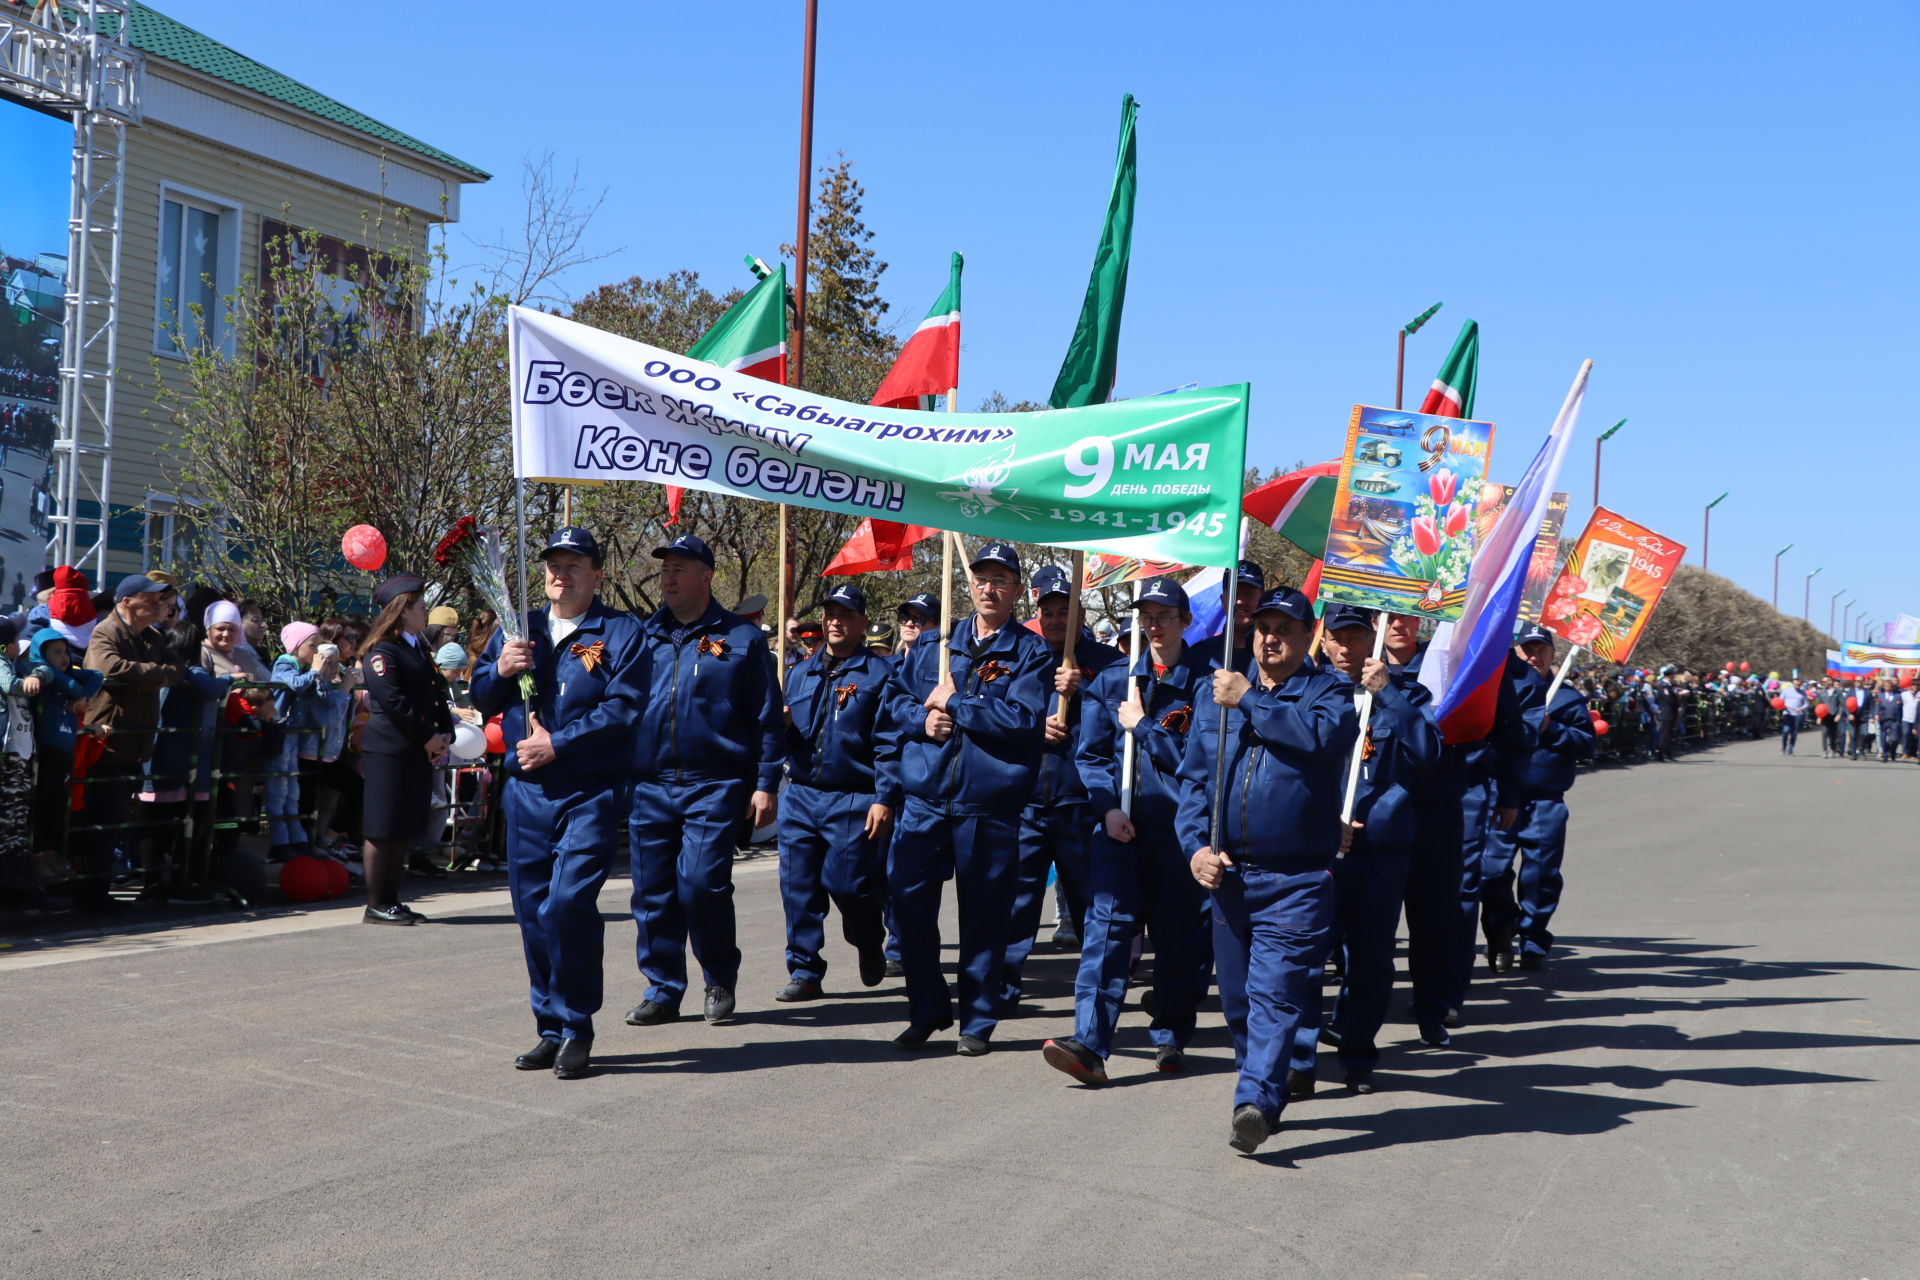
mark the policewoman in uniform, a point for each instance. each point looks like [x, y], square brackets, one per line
[409, 724]
[565, 800]
[843, 790]
[706, 754]
[1290, 727]
[1557, 738]
[971, 758]
[1139, 876]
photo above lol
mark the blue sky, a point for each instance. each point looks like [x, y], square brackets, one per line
[1714, 201]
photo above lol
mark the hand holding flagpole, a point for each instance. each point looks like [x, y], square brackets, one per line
[1363, 702]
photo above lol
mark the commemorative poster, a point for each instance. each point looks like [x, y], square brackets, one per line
[1613, 579]
[1404, 526]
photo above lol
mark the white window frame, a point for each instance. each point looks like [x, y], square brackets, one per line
[226, 275]
[162, 507]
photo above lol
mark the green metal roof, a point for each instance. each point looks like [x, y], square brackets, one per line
[156, 34]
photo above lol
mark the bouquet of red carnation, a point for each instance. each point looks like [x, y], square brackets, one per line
[479, 552]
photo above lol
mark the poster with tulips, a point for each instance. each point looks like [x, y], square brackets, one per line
[1403, 529]
[1612, 580]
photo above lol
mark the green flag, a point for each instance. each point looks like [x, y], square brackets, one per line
[1451, 395]
[1086, 376]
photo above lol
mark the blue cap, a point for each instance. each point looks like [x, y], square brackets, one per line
[848, 596]
[136, 584]
[1347, 615]
[686, 545]
[1287, 601]
[1050, 580]
[999, 553]
[1251, 574]
[1164, 591]
[1535, 633]
[574, 538]
[926, 604]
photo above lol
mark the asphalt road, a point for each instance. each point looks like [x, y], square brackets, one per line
[1716, 1078]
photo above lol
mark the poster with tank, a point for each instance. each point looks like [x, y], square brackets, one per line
[1405, 512]
[1613, 578]
[38, 152]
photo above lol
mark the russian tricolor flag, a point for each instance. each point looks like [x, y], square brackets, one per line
[1465, 660]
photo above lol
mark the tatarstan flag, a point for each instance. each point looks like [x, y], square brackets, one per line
[929, 365]
[1451, 395]
[878, 546]
[752, 338]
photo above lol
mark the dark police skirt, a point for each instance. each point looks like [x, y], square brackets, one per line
[398, 796]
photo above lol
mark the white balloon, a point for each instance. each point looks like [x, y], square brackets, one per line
[469, 741]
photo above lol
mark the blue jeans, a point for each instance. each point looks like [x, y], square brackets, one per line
[1789, 730]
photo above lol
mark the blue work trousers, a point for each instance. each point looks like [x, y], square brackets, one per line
[683, 835]
[1271, 932]
[1145, 883]
[561, 840]
[1372, 884]
[1436, 879]
[825, 855]
[932, 844]
[1055, 837]
[1537, 843]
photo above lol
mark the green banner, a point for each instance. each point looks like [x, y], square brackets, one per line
[1158, 478]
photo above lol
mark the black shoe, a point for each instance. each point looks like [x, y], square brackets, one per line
[1300, 1085]
[407, 910]
[797, 990]
[1531, 962]
[395, 914]
[651, 1013]
[719, 1008]
[573, 1060]
[422, 865]
[538, 1058]
[1435, 1034]
[1454, 1018]
[1499, 958]
[1073, 1058]
[873, 967]
[916, 1035]
[1249, 1129]
[971, 1047]
[895, 969]
[1065, 940]
[1169, 1059]
[1360, 1081]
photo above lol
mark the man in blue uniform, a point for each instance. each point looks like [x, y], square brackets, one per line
[565, 799]
[1401, 741]
[1886, 710]
[1289, 730]
[1139, 876]
[1558, 736]
[919, 620]
[1055, 825]
[972, 755]
[706, 753]
[1249, 587]
[843, 790]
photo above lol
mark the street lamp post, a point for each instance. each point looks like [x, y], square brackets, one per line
[1776, 575]
[1833, 602]
[1846, 616]
[1706, 529]
[1400, 365]
[1806, 606]
[1604, 436]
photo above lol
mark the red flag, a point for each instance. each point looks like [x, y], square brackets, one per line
[878, 546]
[1311, 587]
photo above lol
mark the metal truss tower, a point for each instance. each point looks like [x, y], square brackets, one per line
[74, 57]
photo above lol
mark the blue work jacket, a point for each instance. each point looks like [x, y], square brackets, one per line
[1557, 737]
[841, 733]
[1499, 757]
[1285, 768]
[712, 706]
[1402, 740]
[1059, 784]
[587, 694]
[991, 761]
[1160, 739]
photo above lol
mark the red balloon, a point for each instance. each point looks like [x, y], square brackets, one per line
[496, 740]
[1779, 704]
[1601, 726]
[364, 547]
[336, 877]
[1729, 666]
[1820, 712]
[1745, 667]
[1853, 704]
[304, 878]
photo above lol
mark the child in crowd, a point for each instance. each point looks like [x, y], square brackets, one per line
[19, 877]
[301, 675]
[335, 777]
[60, 689]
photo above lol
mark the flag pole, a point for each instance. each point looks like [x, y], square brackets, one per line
[946, 578]
[1128, 748]
[784, 591]
[1228, 584]
[1070, 646]
[1400, 372]
[1560, 676]
[1365, 702]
